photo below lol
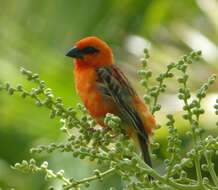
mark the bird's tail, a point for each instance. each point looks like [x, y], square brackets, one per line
[145, 152]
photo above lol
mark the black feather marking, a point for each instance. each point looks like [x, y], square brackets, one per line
[145, 152]
[89, 50]
[144, 148]
[108, 78]
[116, 88]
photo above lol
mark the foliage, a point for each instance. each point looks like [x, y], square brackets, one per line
[87, 140]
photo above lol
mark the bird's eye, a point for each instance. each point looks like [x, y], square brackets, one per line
[89, 50]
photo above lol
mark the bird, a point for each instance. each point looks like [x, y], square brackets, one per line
[103, 88]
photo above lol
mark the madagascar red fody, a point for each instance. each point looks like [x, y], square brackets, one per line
[103, 89]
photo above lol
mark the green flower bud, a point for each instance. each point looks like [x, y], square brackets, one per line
[143, 82]
[24, 163]
[158, 126]
[96, 172]
[170, 75]
[157, 107]
[204, 167]
[141, 72]
[63, 129]
[169, 116]
[189, 61]
[155, 146]
[212, 79]
[44, 165]
[186, 116]
[216, 106]
[60, 174]
[146, 51]
[148, 73]
[76, 153]
[144, 62]
[183, 68]
[11, 90]
[17, 165]
[22, 70]
[199, 52]
[166, 161]
[7, 85]
[147, 56]
[171, 65]
[19, 87]
[116, 119]
[181, 96]
[24, 94]
[153, 156]
[32, 161]
[181, 62]
[183, 174]
[35, 75]
[205, 180]
[87, 184]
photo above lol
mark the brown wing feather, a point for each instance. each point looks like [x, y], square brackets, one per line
[115, 85]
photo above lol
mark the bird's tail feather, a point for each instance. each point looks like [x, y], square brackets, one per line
[145, 152]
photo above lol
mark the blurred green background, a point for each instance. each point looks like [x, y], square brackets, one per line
[37, 34]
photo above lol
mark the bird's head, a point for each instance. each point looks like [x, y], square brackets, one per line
[91, 51]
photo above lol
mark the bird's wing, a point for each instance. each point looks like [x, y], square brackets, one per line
[113, 84]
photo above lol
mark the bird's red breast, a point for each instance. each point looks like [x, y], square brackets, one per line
[94, 101]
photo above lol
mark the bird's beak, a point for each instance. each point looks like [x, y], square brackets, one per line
[74, 52]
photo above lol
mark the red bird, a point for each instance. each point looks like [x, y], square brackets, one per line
[104, 89]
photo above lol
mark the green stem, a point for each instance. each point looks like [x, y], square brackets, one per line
[156, 97]
[198, 168]
[158, 92]
[166, 187]
[171, 164]
[211, 170]
[95, 177]
[171, 183]
[185, 180]
[51, 173]
[197, 157]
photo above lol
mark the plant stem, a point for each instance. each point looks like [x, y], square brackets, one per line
[197, 157]
[171, 183]
[211, 170]
[77, 183]
[50, 172]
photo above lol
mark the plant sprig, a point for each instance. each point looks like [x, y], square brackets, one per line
[110, 146]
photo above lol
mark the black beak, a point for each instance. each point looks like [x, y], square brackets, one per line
[74, 52]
